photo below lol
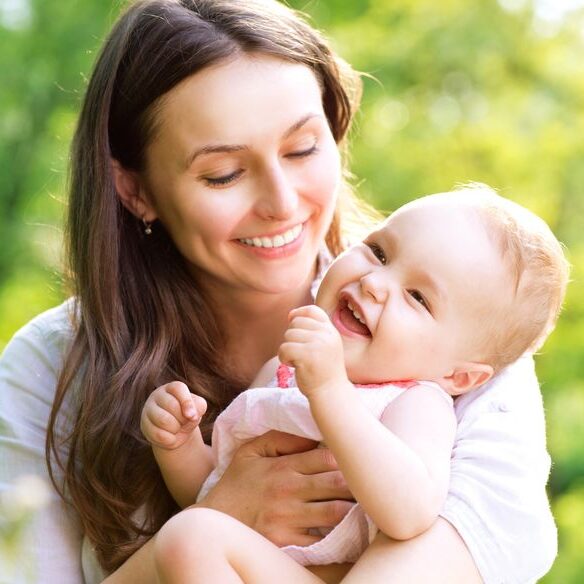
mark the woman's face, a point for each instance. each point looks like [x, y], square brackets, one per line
[243, 172]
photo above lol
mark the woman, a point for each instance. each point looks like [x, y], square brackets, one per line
[206, 181]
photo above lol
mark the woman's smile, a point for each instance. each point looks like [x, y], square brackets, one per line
[281, 239]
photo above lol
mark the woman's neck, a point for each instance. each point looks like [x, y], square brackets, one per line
[254, 324]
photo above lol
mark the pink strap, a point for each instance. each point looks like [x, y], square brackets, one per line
[283, 375]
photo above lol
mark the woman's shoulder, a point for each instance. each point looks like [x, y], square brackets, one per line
[511, 399]
[54, 324]
[45, 338]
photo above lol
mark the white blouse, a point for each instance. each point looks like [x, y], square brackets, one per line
[497, 499]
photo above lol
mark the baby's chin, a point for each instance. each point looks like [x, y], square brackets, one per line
[359, 375]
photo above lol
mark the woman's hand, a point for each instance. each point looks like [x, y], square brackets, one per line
[282, 486]
[170, 415]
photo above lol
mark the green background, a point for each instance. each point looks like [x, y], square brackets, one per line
[455, 91]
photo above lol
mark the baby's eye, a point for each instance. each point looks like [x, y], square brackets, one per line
[377, 252]
[418, 297]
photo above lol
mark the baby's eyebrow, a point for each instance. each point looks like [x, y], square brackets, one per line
[387, 239]
[426, 280]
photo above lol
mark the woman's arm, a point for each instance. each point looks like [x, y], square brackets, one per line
[29, 368]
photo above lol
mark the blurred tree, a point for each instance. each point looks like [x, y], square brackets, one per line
[454, 91]
[45, 53]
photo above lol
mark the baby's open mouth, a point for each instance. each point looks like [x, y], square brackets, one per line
[352, 319]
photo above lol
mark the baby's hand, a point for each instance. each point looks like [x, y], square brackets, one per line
[171, 414]
[313, 346]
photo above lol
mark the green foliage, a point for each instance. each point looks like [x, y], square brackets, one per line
[454, 92]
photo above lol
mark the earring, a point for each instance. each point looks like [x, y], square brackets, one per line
[147, 227]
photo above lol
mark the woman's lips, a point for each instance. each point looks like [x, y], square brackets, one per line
[282, 251]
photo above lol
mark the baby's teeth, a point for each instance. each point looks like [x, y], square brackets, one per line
[356, 314]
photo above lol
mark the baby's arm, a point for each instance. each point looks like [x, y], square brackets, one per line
[398, 470]
[170, 422]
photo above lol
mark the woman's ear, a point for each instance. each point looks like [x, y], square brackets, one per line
[466, 377]
[129, 188]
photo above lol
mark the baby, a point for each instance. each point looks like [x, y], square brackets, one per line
[446, 292]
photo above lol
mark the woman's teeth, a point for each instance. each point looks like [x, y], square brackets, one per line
[356, 313]
[276, 241]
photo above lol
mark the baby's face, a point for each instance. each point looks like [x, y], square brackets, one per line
[411, 299]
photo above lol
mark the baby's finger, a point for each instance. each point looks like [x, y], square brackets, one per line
[304, 322]
[309, 311]
[163, 419]
[157, 436]
[200, 405]
[184, 398]
[298, 336]
[290, 353]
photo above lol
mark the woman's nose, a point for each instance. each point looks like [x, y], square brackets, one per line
[375, 285]
[278, 200]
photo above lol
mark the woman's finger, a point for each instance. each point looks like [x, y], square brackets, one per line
[302, 538]
[274, 443]
[324, 486]
[327, 513]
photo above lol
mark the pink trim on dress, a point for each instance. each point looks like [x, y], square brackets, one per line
[284, 375]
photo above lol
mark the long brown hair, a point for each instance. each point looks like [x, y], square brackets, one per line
[139, 319]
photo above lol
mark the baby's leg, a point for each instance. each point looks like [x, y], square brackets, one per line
[203, 545]
[437, 556]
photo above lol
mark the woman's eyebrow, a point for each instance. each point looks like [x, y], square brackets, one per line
[227, 148]
[297, 125]
[213, 149]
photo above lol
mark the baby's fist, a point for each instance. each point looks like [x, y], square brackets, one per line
[171, 414]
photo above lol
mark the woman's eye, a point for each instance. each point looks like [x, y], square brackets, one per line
[419, 298]
[222, 180]
[303, 153]
[377, 252]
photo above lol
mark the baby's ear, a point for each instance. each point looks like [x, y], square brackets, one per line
[466, 377]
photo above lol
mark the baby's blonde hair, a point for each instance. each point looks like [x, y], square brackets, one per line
[539, 272]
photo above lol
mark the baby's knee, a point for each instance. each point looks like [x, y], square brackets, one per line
[183, 539]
